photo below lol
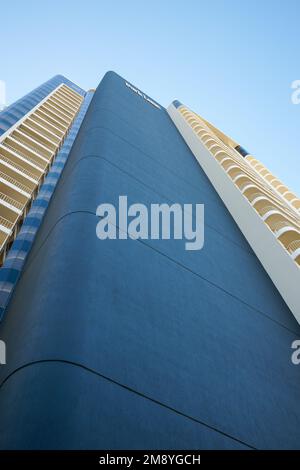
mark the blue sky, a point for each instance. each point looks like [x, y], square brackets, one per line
[231, 61]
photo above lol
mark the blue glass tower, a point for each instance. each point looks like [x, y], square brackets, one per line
[10, 272]
[17, 110]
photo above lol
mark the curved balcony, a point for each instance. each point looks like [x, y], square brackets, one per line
[221, 155]
[195, 124]
[226, 161]
[294, 249]
[282, 189]
[296, 203]
[263, 172]
[214, 147]
[236, 174]
[207, 138]
[270, 178]
[229, 166]
[259, 167]
[248, 189]
[198, 129]
[263, 190]
[209, 142]
[289, 196]
[277, 226]
[276, 183]
[190, 119]
[280, 226]
[254, 197]
[267, 211]
[201, 129]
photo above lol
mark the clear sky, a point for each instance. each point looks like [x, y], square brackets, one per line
[231, 61]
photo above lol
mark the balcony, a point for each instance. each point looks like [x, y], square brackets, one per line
[56, 104]
[28, 141]
[294, 249]
[33, 176]
[46, 115]
[15, 149]
[44, 122]
[253, 197]
[26, 153]
[7, 224]
[35, 135]
[66, 104]
[47, 108]
[59, 115]
[16, 184]
[265, 211]
[21, 146]
[41, 129]
[71, 95]
[11, 202]
[278, 226]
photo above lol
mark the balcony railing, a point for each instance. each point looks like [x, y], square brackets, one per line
[47, 116]
[21, 154]
[57, 110]
[62, 99]
[266, 209]
[263, 197]
[276, 226]
[49, 108]
[16, 183]
[53, 138]
[55, 102]
[254, 196]
[293, 246]
[11, 201]
[41, 121]
[32, 147]
[19, 167]
[40, 139]
[6, 223]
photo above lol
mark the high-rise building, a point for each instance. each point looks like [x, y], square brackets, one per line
[139, 343]
[27, 150]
